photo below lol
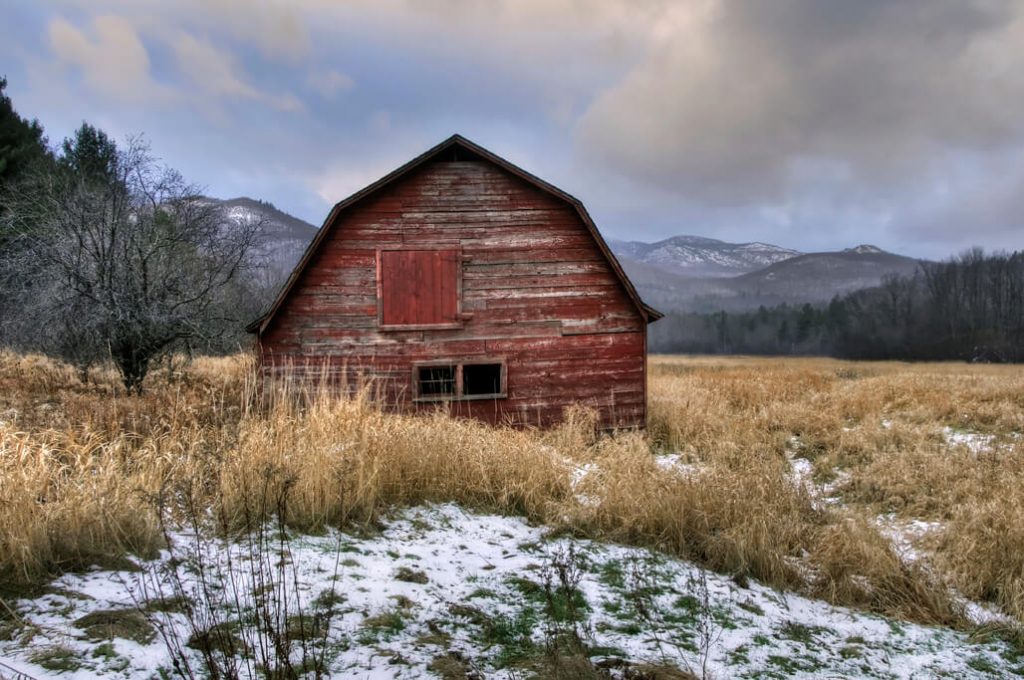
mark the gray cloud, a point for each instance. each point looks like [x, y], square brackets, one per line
[748, 101]
[983, 206]
[813, 123]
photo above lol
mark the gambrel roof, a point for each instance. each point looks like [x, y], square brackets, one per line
[453, 144]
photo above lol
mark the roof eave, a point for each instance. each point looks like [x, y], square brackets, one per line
[652, 313]
[254, 326]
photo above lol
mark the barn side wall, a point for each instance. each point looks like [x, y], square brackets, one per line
[537, 293]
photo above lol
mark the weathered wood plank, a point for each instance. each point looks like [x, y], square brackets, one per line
[535, 291]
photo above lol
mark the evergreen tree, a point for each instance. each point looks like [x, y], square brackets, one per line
[968, 307]
[22, 145]
[804, 323]
[90, 156]
[783, 335]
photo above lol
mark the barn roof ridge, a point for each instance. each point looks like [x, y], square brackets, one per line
[649, 314]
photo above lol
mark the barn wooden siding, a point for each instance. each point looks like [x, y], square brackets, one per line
[537, 293]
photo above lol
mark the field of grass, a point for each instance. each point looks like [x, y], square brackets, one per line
[894, 489]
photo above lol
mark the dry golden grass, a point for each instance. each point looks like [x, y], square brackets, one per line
[884, 428]
[80, 463]
[84, 469]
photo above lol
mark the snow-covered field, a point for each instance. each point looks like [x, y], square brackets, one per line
[440, 591]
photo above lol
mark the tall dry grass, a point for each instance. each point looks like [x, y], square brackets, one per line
[84, 470]
[81, 463]
[879, 432]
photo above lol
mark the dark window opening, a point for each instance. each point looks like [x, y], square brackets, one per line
[481, 379]
[436, 381]
[457, 381]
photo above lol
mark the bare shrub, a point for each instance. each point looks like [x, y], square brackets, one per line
[126, 260]
[240, 608]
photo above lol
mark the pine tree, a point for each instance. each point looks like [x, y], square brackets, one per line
[22, 144]
[90, 155]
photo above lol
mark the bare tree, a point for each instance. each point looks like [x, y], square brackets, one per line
[124, 258]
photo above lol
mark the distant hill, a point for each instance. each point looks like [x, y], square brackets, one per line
[704, 257]
[282, 237]
[820, 276]
[794, 278]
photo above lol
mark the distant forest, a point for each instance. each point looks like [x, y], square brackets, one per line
[970, 307]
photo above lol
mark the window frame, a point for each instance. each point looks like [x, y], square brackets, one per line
[379, 275]
[459, 384]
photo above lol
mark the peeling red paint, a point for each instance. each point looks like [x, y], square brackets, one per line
[535, 290]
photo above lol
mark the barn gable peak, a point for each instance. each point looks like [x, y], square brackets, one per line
[454, 149]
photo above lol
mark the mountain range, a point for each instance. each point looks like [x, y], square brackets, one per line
[701, 256]
[694, 273]
[681, 273]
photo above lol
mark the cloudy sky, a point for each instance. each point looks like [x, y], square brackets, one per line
[814, 124]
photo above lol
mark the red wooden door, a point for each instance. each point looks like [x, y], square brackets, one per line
[419, 287]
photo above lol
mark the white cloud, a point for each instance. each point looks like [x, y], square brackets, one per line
[216, 73]
[110, 55]
[276, 27]
[114, 62]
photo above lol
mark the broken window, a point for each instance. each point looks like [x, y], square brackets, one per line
[436, 381]
[481, 379]
[459, 381]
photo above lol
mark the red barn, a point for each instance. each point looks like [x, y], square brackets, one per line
[463, 281]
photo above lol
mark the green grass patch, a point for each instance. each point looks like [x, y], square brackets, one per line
[611, 574]
[328, 598]
[799, 632]
[129, 624]
[556, 603]
[409, 575]
[58, 659]
[982, 664]
[789, 665]
[382, 626]
[751, 607]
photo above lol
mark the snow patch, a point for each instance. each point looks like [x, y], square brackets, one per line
[476, 561]
[673, 462]
[974, 441]
[905, 535]
[579, 473]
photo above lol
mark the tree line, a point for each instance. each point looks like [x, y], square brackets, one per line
[105, 253]
[969, 307]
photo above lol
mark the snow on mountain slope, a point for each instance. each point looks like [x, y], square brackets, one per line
[281, 239]
[701, 256]
[691, 273]
[819, 276]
